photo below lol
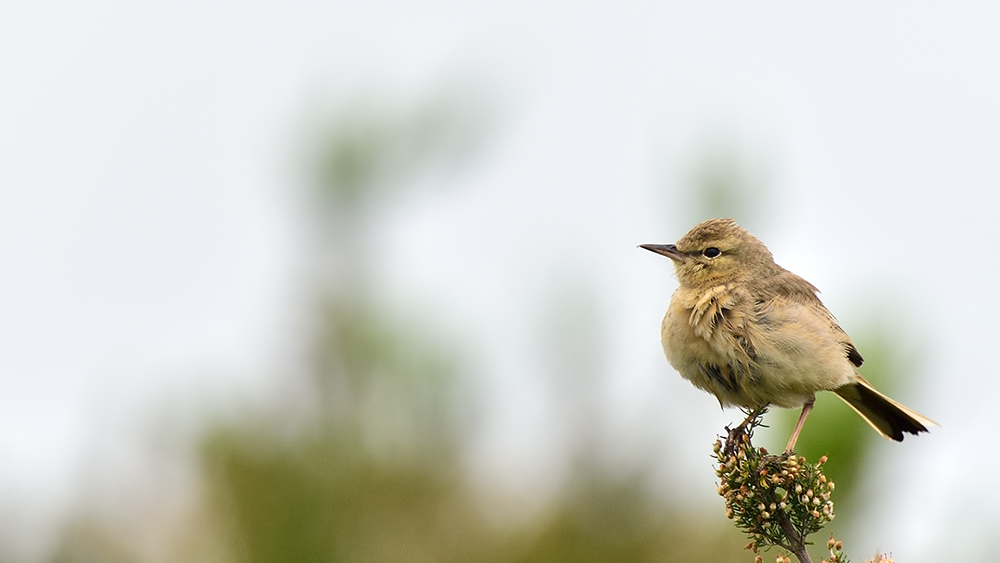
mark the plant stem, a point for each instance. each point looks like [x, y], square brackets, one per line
[797, 542]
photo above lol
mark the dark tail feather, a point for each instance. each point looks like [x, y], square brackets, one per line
[886, 416]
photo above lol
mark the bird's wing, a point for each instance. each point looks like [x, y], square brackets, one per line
[797, 289]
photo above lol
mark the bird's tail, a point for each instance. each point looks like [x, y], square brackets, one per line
[886, 416]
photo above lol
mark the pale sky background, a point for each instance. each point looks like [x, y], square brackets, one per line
[151, 248]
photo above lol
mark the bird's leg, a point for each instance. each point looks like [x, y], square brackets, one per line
[750, 416]
[798, 425]
[736, 434]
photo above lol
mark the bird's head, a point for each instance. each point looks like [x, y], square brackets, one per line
[715, 252]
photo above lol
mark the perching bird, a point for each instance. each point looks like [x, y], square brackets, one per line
[754, 334]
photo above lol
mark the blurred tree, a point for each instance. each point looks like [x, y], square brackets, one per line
[374, 148]
[375, 475]
[371, 470]
[724, 181]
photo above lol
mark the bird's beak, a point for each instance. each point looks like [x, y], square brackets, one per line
[668, 250]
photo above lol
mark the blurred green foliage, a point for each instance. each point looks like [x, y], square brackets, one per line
[374, 147]
[324, 497]
[372, 470]
[328, 499]
[723, 181]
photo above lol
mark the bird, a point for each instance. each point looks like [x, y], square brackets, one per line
[755, 335]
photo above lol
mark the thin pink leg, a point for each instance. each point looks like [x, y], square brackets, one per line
[798, 425]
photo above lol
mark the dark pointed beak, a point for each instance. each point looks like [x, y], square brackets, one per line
[668, 250]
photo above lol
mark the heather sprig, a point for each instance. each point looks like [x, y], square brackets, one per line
[777, 500]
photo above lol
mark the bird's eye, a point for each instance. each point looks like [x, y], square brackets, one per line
[711, 252]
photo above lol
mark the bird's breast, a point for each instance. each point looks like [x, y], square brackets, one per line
[749, 352]
[701, 342]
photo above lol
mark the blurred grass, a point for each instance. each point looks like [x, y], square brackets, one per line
[327, 499]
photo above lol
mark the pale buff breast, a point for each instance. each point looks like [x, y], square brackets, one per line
[749, 354]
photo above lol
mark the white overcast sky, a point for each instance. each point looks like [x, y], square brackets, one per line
[150, 245]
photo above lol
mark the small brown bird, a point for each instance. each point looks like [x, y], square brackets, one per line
[754, 334]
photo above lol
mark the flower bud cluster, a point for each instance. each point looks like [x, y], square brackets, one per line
[765, 493]
[836, 552]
